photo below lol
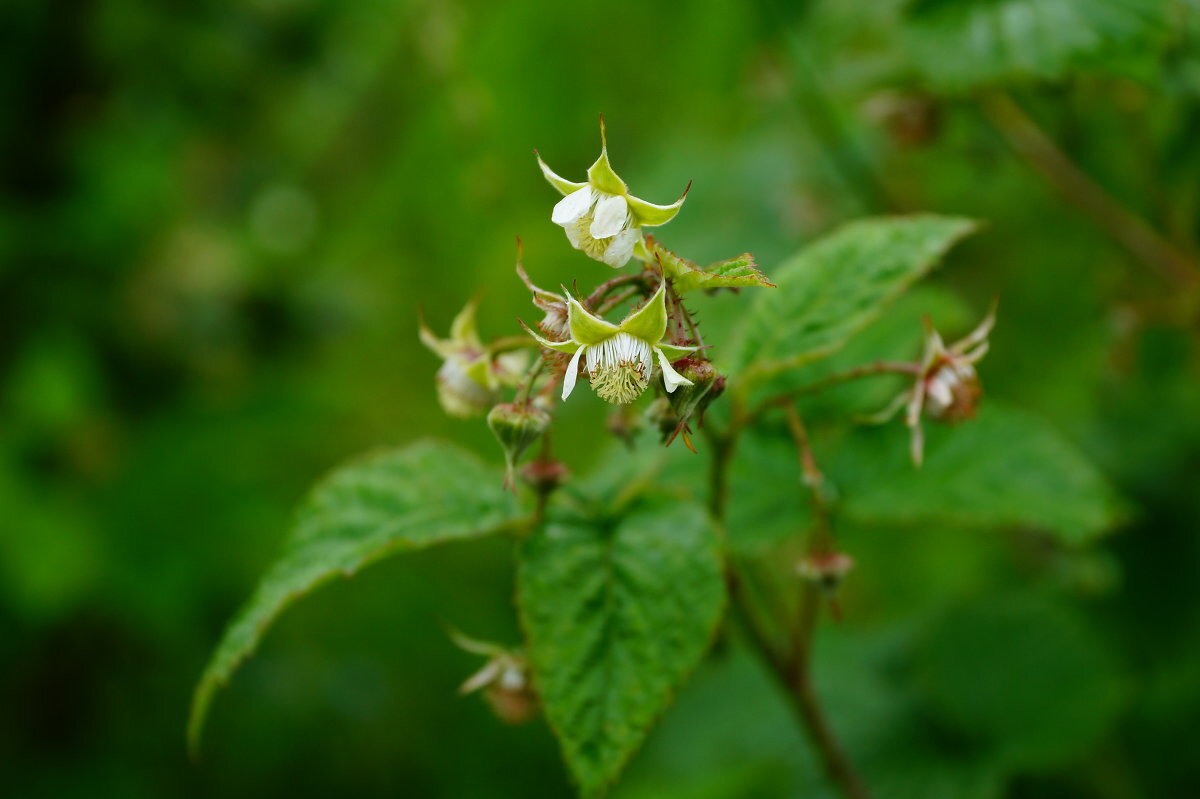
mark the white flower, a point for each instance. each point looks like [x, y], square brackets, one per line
[598, 224]
[947, 387]
[504, 679]
[601, 218]
[619, 359]
[471, 375]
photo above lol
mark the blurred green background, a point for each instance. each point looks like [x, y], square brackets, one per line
[218, 220]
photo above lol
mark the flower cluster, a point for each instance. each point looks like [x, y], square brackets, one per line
[655, 344]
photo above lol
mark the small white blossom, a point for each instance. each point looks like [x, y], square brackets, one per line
[946, 388]
[504, 679]
[601, 218]
[471, 375]
[619, 359]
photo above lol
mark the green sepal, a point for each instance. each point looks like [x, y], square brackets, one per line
[586, 328]
[673, 352]
[441, 348]
[648, 214]
[641, 253]
[463, 332]
[479, 370]
[649, 322]
[601, 174]
[563, 185]
[569, 347]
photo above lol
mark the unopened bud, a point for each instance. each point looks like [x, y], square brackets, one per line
[826, 569]
[690, 402]
[460, 392]
[911, 119]
[544, 475]
[516, 426]
[703, 377]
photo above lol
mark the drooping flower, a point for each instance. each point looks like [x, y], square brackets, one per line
[619, 359]
[471, 375]
[554, 323]
[504, 679]
[600, 216]
[947, 387]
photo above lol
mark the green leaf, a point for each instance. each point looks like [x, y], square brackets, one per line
[1022, 675]
[617, 615]
[685, 276]
[1003, 469]
[386, 503]
[832, 289]
[962, 44]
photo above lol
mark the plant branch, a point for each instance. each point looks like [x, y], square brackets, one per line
[608, 286]
[799, 664]
[530, 378]
[865, 370]
[614, 301]
[509, 343]
[793, 668]
[1040, 152]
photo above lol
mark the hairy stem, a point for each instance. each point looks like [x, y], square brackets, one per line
[799, 679]
[616, 299]
[1129, 230]
[610, 285]
[865, 370]
[791, 668]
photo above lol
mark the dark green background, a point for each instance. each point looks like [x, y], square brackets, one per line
[218, 219]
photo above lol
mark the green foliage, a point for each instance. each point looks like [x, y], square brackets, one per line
[832, 289]
[390, 502]
[617, 613]
[1022, 676]
[1003, 469]
[737, 272]
[964, 44]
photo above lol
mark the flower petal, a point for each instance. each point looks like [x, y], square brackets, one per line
[620, 248]
[570, 208]
[572, 373]
[610, 217]
[671, 379]
[485, 676]
[562, 184]
[649, 322]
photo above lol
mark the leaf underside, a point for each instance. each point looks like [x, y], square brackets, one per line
[385, 503]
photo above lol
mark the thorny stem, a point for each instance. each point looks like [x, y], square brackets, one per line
[509, 343]
[799, 665]
[530, 378]
[793, 667]
[607, 286]
[1132, 232]
[614, 301]
[865, 370]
